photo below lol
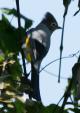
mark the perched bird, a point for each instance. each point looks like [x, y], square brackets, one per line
[38, 44]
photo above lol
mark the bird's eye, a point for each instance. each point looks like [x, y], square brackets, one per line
[53, 24]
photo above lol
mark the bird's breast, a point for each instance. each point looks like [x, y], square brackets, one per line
[43, 37]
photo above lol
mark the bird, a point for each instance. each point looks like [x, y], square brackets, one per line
[38, 42]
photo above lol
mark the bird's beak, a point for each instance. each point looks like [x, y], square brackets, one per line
[59, 27]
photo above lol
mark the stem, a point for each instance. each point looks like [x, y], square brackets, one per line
[61, 49]
[20, 36]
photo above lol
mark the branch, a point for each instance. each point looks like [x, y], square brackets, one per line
[61, 49]
[20, 35]
[65, 57]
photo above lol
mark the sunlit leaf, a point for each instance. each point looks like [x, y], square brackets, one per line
[2, 57]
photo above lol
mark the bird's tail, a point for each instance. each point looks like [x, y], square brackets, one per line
[35, 81]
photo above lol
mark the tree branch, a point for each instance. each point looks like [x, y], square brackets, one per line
[20, 35]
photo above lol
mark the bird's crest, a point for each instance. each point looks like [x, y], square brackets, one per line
[50, 21]
[50, 17]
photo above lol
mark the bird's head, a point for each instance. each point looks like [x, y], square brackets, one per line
[50, 22]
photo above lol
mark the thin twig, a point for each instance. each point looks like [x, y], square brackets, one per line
[55, 75]
[61, 49]
[69, 56]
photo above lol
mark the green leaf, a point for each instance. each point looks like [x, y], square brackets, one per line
[2, 57]
[37, 107]
[28, 22]
[15, 70]
[75, 110]
[9, 38]
[5, 20]
[53, 108]
[34, 107]
[19, 106]
[11, 110]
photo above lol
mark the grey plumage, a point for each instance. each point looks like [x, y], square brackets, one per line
[40, 36]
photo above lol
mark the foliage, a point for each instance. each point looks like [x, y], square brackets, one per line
[10, 68]
[12, 83]
[28, 22]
